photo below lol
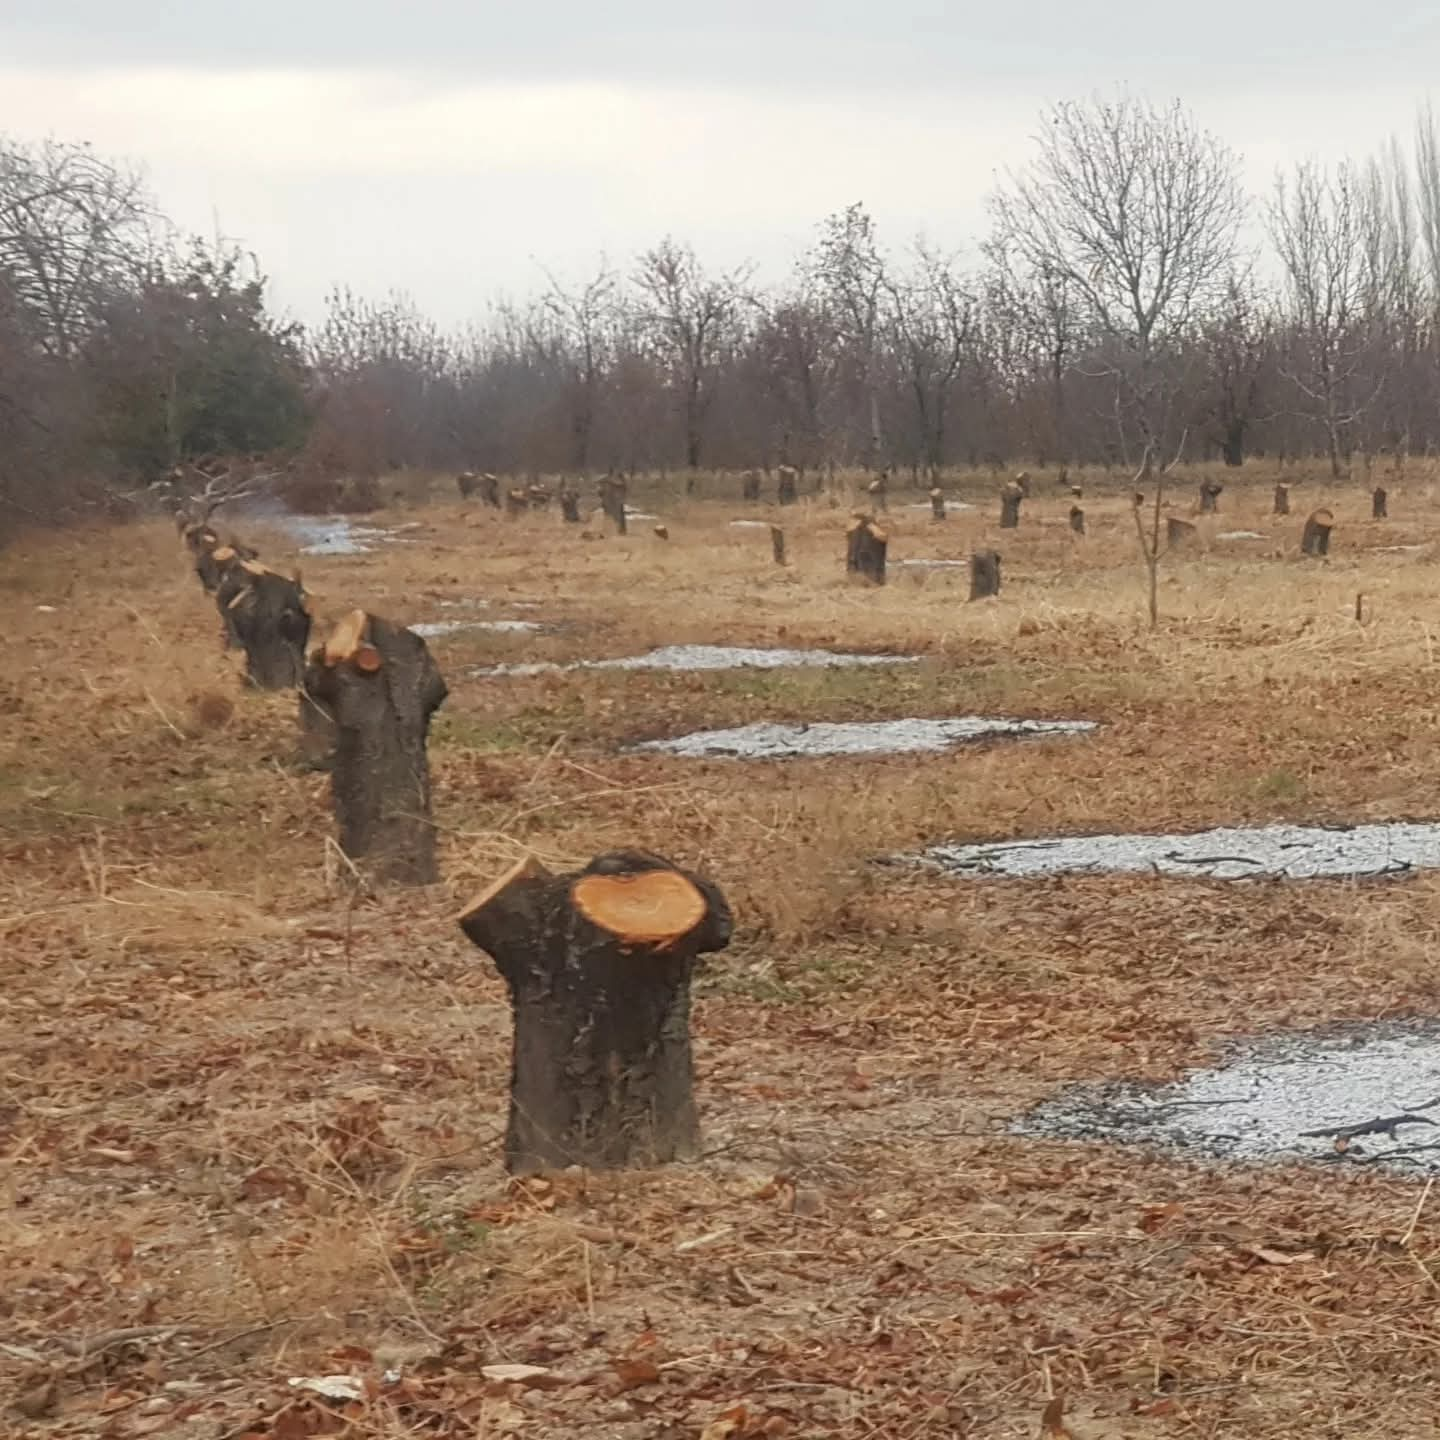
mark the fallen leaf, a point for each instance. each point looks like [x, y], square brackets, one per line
[1276, 1257]
[731, 1422]
[519, 1374]
[332, 1387]
[1052, 1421]
[633, 1373]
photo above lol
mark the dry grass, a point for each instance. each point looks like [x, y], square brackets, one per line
[244, 1107]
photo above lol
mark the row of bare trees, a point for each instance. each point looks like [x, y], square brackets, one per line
[1115, 311]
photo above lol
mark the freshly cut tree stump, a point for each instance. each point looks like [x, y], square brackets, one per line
[612, 501]
[468, 482]
[490, 490]
[1023, 481]
[879, 489]
[1315, 538]
[380, 687]
[865, 545]
[787, 484]
[777, 544]
[1077, 519]
[269, 614]
[750, 485]
[1282, 500]
[1179, 532]
[1378, 501]
[1210, 496]
[517, 502]
[937, 504]
[1077, 491]
[210, 565]
[984, 574]
[538, 497]
[569, 498]
[662, 532]
[1010, 498]
[199, 538]
[598, 965]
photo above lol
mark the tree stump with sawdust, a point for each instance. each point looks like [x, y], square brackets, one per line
[1077, 519]
[598, 965]
[777, 544]
[1179, 532]
[268, 615]
[1379, 500]
[569, 498]
[1210, 496]
[750, 485]
[1315, 538]
[1010, 498]
[787, 484]
[380, 687]
[865, 546]
[937, 504]
[1282, 500]
[984, 574]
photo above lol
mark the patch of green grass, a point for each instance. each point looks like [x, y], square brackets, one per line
[1282, 787]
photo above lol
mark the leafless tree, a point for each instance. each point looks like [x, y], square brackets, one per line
[583, 318]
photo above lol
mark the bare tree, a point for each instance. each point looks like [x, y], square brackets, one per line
[583, 319]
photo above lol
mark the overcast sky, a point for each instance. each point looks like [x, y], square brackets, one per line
[450, 148]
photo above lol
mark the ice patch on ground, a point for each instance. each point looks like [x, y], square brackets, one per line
[931, 564]
[949, 505]
[430, 629]
[750, 524]
[1240, 535]
[707, 657]
[337, 535]
[763, 741]
[1260, 1102]
[1296, 852]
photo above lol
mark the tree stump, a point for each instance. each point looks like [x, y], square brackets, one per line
[269, 615]
[490, 490]
[598, 965]
[1282, 500]
[1023, 481]
[1179, 532]
[1077, 491]
[1010, 498]
[612, 501]
[787, 484]
[1210, 496]
[569, 498]
[1378, 501]
[1315, 538]
[517, 502]
[984, 574]
[937, 504]
[879, 489]
[211, 563]
[316, 748]
[777, 544]
[662, 532]
[865, 549]
[750, 485]
[538, 497]
[1077, 519]
[380, 686]
[199, 538]
[467, 482]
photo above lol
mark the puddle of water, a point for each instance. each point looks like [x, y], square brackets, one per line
[1260, 1102]
[707, 657]
[763, 741]
[750, 524]
[1239, 535]
[429, 629]
[1296, 852]
[931, 564]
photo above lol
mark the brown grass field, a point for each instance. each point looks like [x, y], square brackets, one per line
[250, 1121]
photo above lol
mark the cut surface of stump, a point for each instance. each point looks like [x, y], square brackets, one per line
[598, 965]
[1282, 500]
[777, 544]
[1010, 498]
[1315, 538]
[1077, 519]
[379, 686]
[1179, 532]
[984, 574]
[787, 484]
[865, 546]
[662, 532]
[1378, 502]
[1210, 496]
[268, 616]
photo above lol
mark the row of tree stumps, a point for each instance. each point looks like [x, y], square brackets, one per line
[598, 963]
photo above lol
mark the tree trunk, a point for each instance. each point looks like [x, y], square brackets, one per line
[1378, 501]
[1210, 496]
[984, 574]
[1282, 499]
[612, 501]
[879, 489]
[1010, 498]
[1315, 538]
[937, 504]
[569, 503]
[382, 687]
[865, 549]
[750, 485]
[269, 616]
[1077, 519]
[490, 490]
[1232, 447]
[1178, 532]
[598, 965]
[777, 544]
[787, 484]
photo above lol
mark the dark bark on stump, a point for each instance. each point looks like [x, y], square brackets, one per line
[1077, 519]
[787, 484]
[211, 564]
[1282, 500]
[612, 501]
[601, 1070]
[270, 617]
[381, 686]
[1010, 498]
[984, 574]
[468, 483]
[777, 544]
[750, 485]
[490, 490]
[1378, 501]
[1315, 538]
[1178, 532]
[879, 489]
[316, 749]
[516, 503]
[538, 497]
[1022, 480]
[1210, 496]
[569, 505]
[937, 504]
[865, 549]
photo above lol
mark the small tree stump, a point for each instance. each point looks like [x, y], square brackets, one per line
[1282, 500]
[937, 504]
[750, 485]
[379, 686]
[984, 574]
[1378, 501]
[490, 490]
[865, 549]
[1077, 491]
[517, 502]
[569, 498]
[538, 497]
[612, 501]
[1210, 496]
[467, 482]
[662, 532]
[1315, 538]
[777, 544]
[879, 489]
[787, 484]
[598, 965]
[199, 538]
[269, 615]
[1010, 498]
[1179, 532]
[1023, 481]
[1137, 499]
[211, 564]
[1077, 519]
